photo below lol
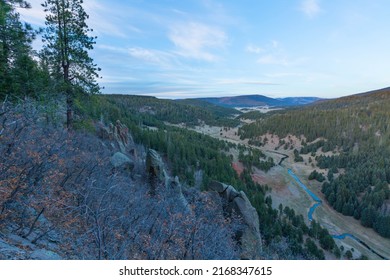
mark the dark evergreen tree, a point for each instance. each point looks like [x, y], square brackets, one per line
[17, 68]
[67, 43]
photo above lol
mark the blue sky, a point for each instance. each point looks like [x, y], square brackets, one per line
[278, 48]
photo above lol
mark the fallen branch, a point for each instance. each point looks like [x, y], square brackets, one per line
[33, 224]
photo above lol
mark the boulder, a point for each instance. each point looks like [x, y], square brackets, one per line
[250, 237]
[120, 160]
[226, 191]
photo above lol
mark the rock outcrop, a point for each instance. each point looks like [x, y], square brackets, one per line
[120, 160]
[42, 254]
[14, 247]
[161, 181]
[176, 192]
[234, 201]
[155, 165]
[250, 237]
[117, 134]
[77, 202]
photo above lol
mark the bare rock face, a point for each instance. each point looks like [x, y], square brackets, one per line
[121, 142]
[42, 254]
[159, 178]
[11, 252]
[250, 237]
[155, 171]
[14, 247]
[117, 134]
[120, 160]
[175, 190]
[155, 165]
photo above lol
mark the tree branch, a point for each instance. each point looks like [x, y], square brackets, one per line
[33, 224]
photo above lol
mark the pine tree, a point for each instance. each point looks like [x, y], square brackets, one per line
[16, 64]
[67, 43]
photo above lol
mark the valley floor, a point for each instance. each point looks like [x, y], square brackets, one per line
[285, 190]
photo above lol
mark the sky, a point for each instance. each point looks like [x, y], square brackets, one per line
[209, 48]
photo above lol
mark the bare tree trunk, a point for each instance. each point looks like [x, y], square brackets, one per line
[69, 97]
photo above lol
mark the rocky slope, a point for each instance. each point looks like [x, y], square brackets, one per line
[70, 195]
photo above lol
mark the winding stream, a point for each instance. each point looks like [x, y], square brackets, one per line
[312, 195]
[317, 204]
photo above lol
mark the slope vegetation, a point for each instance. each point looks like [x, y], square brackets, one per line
[357, 127]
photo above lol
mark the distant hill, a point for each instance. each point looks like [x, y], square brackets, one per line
[216, 109]
[152, 111]
[258, 100]
[297, 101]
[356, 100]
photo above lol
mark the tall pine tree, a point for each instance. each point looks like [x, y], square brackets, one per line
[17, 67]
[67, 42]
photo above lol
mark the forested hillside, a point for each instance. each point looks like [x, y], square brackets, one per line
[358, 128]
[191, 154]
[255, 100]
[60, 181]
[153, 111]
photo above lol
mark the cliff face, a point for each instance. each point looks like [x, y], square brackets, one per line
[249, 234]
[68, 195]
[246, 231]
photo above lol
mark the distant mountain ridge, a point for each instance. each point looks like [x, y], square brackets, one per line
[258, 100]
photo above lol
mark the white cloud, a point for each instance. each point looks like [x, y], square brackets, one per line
[112, 48]
[35, 15]
[281, 60]
[151, 56]
[102, 18]
[311, 8]
[273, 60]
[285, 74]
[160, 58]
[116, 79]
[197, 40]
[275, 44]
[108, 20]
[242, 82]
[254, 49]
[275, 54]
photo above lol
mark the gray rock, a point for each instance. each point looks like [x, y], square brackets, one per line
[226, 191]
[11, 252]
[120, 160]
[175, 190]
[218, 187]
[250, 236]
[20, 241]
[42, 254]
[155, 165]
